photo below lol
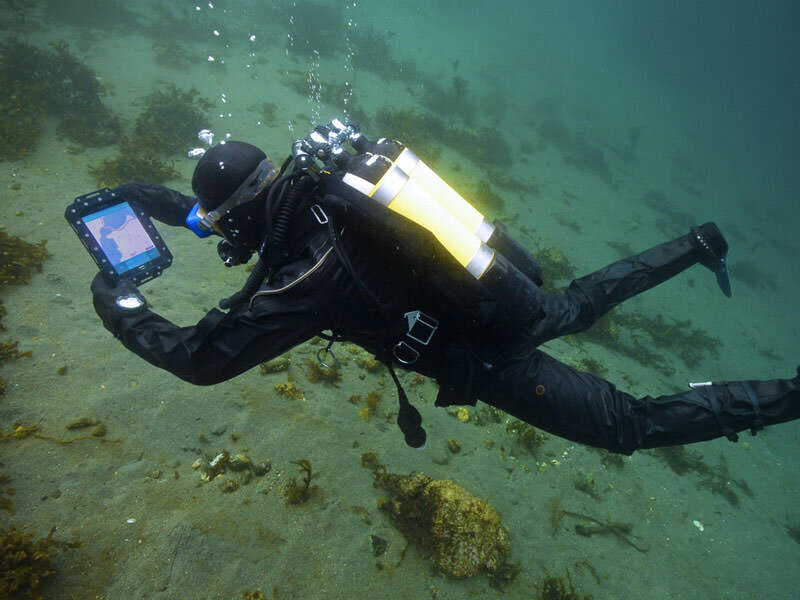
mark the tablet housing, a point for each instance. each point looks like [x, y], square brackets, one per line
[119, 236]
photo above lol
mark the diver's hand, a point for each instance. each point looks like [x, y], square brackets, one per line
[158, 202]
[113, 302]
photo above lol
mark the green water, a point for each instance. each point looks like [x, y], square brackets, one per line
[603, 128]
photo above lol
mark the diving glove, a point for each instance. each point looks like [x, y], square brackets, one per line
[115, 301]
[713, 253]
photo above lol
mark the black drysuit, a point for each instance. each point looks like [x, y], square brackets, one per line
[510, 373]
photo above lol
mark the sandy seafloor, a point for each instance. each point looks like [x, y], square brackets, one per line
[176, 537]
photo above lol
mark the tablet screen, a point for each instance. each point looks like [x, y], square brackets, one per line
[121, 236]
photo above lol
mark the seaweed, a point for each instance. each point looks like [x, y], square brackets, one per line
[677, 221]
[690, 344]
[132, 163]
[609, 459]
[295, 80]
[20, 8]
[5, 493]
[586, 483]
[19, 259]
[166, 126]
[300, 492]
[590, 365]
[486, 199]
[575, 150]
[716, 479]
[267, 111]
[172, 54]
[259, 595]
[319, 373]
[371, 52]
[25, 561]
[371, 402]
[289, 390]
[553, 588]
[9, 350]
[53, 82]
[371, 461]
[557, 514]
[623, 531]
[586, 157]
[170, 119]
[19, 123]
[503, 179]
[419, 131]
[484, 146]
[91, 128]
[623, 249]
[423, 132]
[555, 267]
[527, 436]
[21, 432]
[451, 101]
[642, 333]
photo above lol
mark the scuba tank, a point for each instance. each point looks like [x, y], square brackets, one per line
[498, 268]
[495, 235]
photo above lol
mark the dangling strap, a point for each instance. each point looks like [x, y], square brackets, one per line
[716, 408]
[408, 418]
[336, 242]
[758, 422]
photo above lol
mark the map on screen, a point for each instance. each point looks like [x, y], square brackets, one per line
[121, 236]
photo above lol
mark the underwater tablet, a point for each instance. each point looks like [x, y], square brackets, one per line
[119, 236]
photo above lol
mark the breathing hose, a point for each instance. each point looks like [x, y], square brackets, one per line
[274, 248]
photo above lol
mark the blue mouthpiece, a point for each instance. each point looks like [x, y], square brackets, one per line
[194, 222]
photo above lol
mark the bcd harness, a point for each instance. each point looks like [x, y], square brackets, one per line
[491, 282]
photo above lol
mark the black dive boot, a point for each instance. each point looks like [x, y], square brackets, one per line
[713, 253]
[712, 409]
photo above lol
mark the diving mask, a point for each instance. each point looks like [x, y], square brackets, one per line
[205, 223]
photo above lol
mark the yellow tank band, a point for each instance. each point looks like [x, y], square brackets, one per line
[389, 186]
[407, 160]
[358, 183]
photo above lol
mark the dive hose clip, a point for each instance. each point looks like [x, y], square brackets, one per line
[319, 214]
[421, 328]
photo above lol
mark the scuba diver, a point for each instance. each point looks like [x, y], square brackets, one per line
[372, 247]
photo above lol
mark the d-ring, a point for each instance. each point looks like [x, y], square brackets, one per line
[322, 362]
